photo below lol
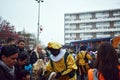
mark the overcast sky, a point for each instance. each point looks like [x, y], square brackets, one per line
[23, 14]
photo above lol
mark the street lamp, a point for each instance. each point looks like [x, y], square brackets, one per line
[38, 19]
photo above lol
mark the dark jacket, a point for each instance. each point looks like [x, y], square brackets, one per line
[5, 75]
[17, 70]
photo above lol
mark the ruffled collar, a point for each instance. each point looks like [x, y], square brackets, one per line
[59, 56]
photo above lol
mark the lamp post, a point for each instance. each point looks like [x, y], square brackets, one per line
[38, 31]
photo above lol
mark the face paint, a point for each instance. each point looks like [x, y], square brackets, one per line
[55, 52]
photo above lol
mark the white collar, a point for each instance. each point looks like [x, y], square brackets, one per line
[59, 56]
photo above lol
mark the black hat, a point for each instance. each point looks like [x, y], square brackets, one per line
[8, 50]
[83, 48]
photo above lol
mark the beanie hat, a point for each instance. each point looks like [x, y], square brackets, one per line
[8, 50]
[54, 45]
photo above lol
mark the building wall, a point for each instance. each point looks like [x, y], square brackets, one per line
[93, 24]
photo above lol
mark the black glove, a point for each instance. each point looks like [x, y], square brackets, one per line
[58, 75]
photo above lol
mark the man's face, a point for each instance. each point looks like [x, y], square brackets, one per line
[39, 49]
[55, 52]
[11, 60]
[21, 45]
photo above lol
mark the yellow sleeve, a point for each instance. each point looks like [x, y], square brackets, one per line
[49, 67]
[71, 65]
[89, 57]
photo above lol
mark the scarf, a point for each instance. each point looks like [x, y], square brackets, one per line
[8, 69]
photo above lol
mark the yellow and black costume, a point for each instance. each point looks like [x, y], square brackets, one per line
[82, 62]
[65, 70]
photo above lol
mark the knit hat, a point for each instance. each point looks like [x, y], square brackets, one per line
[54, 45]
[8, 50]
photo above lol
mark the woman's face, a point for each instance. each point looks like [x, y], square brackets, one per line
[22, 62]
[11, 60]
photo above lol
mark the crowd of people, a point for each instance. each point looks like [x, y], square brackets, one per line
[57, 63]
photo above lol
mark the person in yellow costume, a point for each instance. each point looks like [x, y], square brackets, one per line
[82, 59]
[63, 70]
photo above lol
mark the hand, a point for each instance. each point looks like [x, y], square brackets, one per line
[58, 74]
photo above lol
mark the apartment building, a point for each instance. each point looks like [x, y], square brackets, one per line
[92, 24]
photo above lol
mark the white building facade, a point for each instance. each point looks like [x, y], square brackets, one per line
[93, 24]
